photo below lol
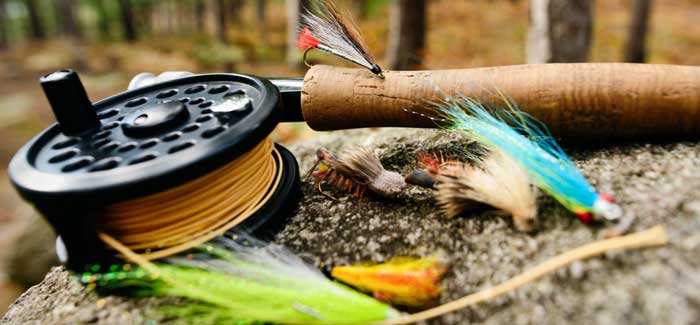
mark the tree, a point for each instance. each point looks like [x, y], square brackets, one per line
[103, 20]
[294, 10]
[4, 41]
[127, 19]
[143, 17]
[36, 26]
[406, 34]
[260, 7]
[560, 31]
[260, 15]
[199, 12]
[635, 48]
[234, 10]
[221, 21]
[68, 21]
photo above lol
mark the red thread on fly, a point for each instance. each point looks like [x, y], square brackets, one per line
[306, 40]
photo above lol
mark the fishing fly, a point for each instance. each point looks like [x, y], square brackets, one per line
[324, 28]
[528, 142]
[355, 171]
[495, 180]
[406, 281]
[242, 281]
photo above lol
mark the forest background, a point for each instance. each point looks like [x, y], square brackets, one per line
[109, 41]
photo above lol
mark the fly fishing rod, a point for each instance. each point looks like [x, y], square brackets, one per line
[166, 166]
[168, 152]
[577, 101]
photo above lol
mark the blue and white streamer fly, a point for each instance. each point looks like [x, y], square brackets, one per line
[529, 143]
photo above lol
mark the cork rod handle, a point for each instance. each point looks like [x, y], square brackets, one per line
[577, 100]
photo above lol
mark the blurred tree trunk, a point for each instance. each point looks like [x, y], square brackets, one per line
[260, 10]
[127, 18]
[166, 8]
[102, 20]
[144, 17]
[69, 25]
[635, 49]
[221, 21]
[4, 37]
[36, 26]
[221, 10]
[560, 31]
[200, 11]
[234, 10]
[184, 17]
[176, 20]
[294, 10]
[406, 34]
[260, 6]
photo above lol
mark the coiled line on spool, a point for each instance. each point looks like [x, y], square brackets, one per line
[175, 220]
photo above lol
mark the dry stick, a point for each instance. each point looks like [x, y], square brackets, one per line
[576, 101]
[655, 236]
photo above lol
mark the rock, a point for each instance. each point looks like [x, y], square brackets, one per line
[61, 299]
[33, 252]
[660, 183]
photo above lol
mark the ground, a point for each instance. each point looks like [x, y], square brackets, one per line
[659, 183]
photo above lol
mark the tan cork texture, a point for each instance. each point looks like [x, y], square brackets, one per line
[577, 100]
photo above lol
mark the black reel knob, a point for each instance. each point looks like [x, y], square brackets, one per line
[142, 142]
[69, 102]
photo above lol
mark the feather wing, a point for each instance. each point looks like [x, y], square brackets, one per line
[247, 283]
[499, 182]
[528, 142]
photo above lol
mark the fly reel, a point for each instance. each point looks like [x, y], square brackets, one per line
[160, 167]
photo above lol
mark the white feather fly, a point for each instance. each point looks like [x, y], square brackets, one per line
[324, 28]
[498, 181]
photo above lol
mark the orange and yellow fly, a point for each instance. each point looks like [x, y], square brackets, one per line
[406, 281]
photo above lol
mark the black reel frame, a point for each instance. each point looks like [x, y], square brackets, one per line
[144, 141]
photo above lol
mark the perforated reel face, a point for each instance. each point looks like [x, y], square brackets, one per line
[157, 136]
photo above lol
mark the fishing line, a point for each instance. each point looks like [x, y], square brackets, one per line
[654, 236]
[172, 221]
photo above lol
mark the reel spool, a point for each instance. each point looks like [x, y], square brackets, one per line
[163, 145]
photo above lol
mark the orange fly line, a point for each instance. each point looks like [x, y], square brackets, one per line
[172, 221]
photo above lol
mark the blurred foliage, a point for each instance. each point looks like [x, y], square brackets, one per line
[214, 54]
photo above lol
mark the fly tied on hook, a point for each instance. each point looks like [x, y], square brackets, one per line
[324, 28]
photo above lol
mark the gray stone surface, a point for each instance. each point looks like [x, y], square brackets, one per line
[33, 250]
[660, 183]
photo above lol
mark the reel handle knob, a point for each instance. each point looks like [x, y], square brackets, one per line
[69, 101]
